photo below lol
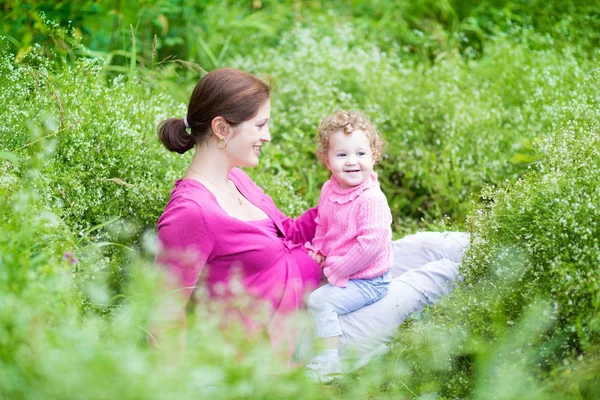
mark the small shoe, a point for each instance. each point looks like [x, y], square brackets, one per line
[322, 369]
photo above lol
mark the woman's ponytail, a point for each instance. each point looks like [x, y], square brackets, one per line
[174, 137]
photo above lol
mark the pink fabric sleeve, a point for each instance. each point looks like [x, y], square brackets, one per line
[185, 243]
[302, 229]
[371, 240]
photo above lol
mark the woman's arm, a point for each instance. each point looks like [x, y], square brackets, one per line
[185, 243]
[302, 229]
[184, 246]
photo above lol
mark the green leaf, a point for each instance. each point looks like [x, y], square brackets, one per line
[521, 158]
[7, 155]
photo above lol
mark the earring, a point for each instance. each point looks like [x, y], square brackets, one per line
[221, 145]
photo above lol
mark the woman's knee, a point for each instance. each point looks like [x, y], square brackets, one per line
[416, 250]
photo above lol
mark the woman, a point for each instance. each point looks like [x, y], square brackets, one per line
[219, 225]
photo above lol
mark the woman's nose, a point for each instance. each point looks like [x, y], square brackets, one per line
[266, 137]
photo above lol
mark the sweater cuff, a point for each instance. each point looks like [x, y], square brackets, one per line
[335, 280]
[309, 246]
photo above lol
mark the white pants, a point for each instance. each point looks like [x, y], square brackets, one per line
[425, 267]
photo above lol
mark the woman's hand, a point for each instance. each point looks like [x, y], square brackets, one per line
[318, 257]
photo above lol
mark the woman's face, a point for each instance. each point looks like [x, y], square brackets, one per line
[246, 139]
[350, 158]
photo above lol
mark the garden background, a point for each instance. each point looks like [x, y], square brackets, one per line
[491, 114]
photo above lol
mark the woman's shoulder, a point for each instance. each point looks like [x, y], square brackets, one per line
[187, 219]
[189, 191]
[190, 198]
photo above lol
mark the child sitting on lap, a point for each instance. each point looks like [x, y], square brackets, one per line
[353, 238]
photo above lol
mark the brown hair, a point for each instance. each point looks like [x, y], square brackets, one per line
[226, 92]
[347, 122]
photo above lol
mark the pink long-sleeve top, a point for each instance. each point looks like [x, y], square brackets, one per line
[197, 237]
[353, 231]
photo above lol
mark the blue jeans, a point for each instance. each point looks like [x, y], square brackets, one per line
[328, 302]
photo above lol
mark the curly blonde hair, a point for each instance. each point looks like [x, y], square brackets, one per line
[347, 122]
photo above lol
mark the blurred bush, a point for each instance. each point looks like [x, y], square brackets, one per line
[539, 236]
[104, 159]
[50, 349]
[524, 322]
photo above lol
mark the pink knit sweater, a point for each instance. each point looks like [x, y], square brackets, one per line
[353, 231]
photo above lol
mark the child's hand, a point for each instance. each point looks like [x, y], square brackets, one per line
[318, 257]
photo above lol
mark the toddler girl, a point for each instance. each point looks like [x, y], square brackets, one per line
[353, 237]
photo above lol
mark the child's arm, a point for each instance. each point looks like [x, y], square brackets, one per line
[374, 234]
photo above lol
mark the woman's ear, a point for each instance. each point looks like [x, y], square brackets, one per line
[220, 127]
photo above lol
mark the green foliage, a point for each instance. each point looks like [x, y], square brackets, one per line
[566, 24]
[451, 127]
[211, 32]
[97, 146]
[536, 238]
[492, 106]
[539, 236]
[202, 32]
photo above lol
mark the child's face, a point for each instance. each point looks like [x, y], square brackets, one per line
[350, 158]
